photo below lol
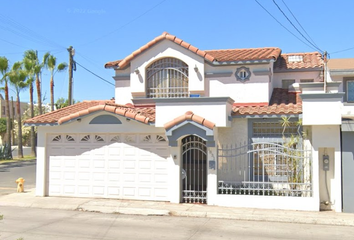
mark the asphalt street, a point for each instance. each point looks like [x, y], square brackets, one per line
[9, 172]
[32, 223]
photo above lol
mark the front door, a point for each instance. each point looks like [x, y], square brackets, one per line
[194, 172]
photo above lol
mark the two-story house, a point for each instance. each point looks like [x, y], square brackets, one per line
[219, 127]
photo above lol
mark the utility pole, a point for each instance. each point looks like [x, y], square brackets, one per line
[71, 65]
[325, 71]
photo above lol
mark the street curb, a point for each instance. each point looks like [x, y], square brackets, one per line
[146, 208]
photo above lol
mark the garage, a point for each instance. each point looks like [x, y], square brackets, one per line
[107, 165]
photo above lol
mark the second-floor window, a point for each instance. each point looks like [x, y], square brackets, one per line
[167, 78]
[350, 91]
[286, 83]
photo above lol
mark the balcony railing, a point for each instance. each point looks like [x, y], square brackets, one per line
[171, 92]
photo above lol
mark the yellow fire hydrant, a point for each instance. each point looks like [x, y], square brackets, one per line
[20, 184]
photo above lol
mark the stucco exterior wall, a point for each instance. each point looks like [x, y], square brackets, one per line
[297, 76]
[217, 112]
[321, 112]
[123, 93]
[256, 89]
[237, 133]
[326, 140]
[338, 79]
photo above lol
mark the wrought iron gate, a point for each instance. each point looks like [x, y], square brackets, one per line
[194, 173]
[265, 168]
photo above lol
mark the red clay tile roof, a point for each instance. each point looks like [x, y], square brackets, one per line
[190, 116]
[144, 115]
[210, 55]
[229, 55]
[309, 60]
[124, 62]
[282, 102]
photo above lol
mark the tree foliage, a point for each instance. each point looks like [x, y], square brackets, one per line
[3, 128]
[28, 74]
[62, 102]
[51, 64]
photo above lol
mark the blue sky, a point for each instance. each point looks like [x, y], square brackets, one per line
[102, 31]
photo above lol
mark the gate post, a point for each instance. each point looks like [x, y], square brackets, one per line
[212, 175]
[174, 161]
[321, 109]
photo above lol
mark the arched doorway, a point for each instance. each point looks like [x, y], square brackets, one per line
[194, 170]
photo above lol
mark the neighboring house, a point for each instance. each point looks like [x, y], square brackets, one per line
[220, 127]
[13, 109]
[341, 73]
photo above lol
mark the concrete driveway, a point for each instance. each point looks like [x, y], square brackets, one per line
[10, 171]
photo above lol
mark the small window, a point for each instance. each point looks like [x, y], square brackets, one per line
[306, 80]
[243, 74]
[287, 82]
[295, 58]
[350, 90]
[3, 111]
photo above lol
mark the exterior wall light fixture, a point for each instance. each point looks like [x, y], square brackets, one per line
[196, 69]
[136, 71]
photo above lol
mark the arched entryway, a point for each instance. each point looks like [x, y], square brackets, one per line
[194, 170]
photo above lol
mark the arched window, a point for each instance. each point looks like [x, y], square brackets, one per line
[167, 78]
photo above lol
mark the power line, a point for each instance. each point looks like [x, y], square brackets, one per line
[315, 46]
[126, 24]
[25, 32]
[12, 43]
[283, 25]
[88, 60]
[298, 22]
[94, 74]
[344, 50]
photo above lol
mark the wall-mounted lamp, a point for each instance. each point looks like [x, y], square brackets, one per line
[196, 69]
[136, 71]
[175, 156]
[128, 119]
[79, 119]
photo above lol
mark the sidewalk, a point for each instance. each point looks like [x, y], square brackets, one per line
[150, 208]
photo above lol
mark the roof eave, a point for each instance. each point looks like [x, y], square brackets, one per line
[243, 62]
[40, 124]
[265, 115]
[276, 70]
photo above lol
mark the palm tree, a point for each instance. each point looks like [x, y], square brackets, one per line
[285, 122]
[51, 65]
[30, 62]
[32, 56]
[17, 77]
[4, 67]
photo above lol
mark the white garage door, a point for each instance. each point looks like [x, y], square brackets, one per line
[108, 165]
